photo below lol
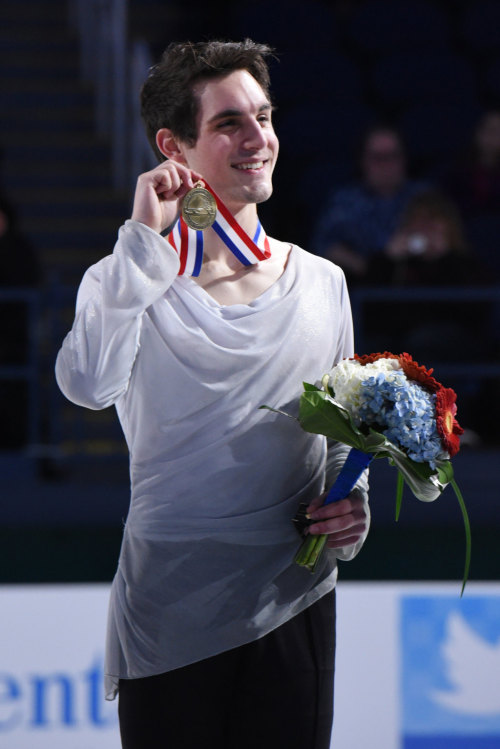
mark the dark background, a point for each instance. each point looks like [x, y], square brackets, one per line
[430, 68]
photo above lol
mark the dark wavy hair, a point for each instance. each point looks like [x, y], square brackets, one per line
[167, 96]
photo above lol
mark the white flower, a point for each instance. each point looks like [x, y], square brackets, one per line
[346, 378]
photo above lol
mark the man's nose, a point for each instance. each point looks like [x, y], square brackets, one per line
[254, 136]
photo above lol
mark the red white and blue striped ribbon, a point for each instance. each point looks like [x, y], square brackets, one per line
[188, 242]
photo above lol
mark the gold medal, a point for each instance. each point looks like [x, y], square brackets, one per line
[199, 208]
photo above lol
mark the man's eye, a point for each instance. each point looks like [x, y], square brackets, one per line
[226, 123]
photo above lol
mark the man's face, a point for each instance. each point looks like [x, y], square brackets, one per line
[237, 147]
[384, 163]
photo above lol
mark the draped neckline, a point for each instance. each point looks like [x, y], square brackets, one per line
[275, 291]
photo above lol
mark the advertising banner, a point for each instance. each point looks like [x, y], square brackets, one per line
[418, 667]
[51, 668]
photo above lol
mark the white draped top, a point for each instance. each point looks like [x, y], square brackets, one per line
[207, 555]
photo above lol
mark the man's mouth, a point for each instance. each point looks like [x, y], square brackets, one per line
[250, 165]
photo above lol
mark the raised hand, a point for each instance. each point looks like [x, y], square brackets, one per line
[158, 194]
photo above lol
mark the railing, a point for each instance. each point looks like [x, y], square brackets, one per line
[73, 432]
[115, 67]
[52, 307]
[85, 432]
[445, 294]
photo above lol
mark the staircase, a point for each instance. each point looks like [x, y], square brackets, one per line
[57, 173]
[55, 168]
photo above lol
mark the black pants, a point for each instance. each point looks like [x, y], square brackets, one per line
[272, 693]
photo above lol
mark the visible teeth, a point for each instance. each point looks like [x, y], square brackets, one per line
[254, 165]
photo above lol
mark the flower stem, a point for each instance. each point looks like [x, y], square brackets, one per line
[316, 552]
[305, 550]
[310, 551]
[468, 539]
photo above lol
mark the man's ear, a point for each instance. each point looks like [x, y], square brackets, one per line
[169, 146]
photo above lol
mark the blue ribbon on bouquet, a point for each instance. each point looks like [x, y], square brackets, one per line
[356, 462]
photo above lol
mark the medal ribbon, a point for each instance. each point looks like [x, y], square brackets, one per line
[188, 243]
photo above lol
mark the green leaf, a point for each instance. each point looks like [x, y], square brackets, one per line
[309, 387]
[319, 414]
[277, 411]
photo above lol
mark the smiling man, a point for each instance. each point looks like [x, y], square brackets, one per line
[216, 638]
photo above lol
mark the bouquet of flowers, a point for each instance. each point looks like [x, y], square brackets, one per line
[385, 406]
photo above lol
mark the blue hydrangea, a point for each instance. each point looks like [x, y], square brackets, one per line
[404, 412]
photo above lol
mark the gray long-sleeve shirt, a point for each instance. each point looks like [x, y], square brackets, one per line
[207, 555]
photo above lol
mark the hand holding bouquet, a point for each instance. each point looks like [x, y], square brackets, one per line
[385, 406]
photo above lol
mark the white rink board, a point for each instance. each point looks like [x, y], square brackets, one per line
[366, 667]
[51, 659]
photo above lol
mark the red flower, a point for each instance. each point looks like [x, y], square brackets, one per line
[412, 369]
[448, 427]
[369, 358]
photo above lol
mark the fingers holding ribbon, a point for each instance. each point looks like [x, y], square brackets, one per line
[345, 522]
[158, 192]
[174, 180]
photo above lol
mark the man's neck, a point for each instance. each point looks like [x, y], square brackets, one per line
[214, 248]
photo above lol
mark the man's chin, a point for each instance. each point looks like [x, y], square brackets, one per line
[237, 198]
[258, 193]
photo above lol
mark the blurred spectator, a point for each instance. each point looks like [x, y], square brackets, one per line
[474, 182]
[360, 220]
[429, 249]
[19, 267]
